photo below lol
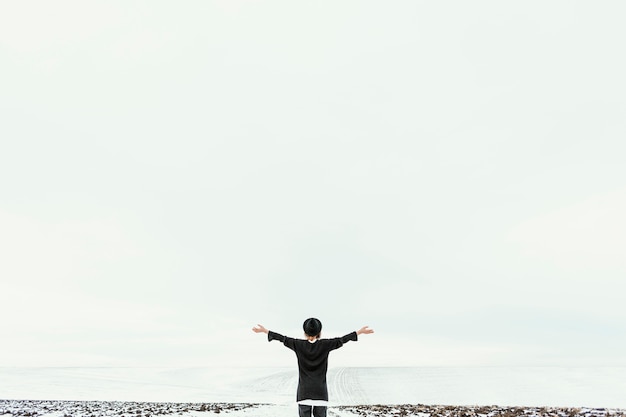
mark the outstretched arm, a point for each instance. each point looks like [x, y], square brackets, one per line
[287, 341]
[259, 329]
[365, 330]
[352, 336]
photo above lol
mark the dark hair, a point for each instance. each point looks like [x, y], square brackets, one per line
[312, 327]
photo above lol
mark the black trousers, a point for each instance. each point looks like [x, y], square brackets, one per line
[311, 411]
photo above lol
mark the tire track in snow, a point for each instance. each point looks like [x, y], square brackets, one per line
[344, 387]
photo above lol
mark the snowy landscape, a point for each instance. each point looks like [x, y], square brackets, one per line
[151, 409]
[424, 392]
[450, 174]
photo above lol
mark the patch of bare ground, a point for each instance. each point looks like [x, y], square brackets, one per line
[34, 408]
[420, 410]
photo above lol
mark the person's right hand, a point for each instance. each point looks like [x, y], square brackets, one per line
[365, 330]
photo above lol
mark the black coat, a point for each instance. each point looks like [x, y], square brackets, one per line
[312, 362]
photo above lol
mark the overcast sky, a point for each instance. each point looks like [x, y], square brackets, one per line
[450, 173]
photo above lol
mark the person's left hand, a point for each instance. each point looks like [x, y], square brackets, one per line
[259, 329]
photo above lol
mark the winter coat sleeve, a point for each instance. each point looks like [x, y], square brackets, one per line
[338, 342]
[350, 336]
[287, 341]
[275, 336]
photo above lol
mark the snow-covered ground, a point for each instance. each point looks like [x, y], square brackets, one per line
[25, 408]
[275, 387]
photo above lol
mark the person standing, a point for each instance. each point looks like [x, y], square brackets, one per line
[312, 354]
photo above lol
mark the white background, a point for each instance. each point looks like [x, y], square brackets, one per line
[450, 173]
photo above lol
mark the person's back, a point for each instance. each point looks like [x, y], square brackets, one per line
[312, 354]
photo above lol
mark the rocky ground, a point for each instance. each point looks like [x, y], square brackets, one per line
[28, 408]
[478, 411]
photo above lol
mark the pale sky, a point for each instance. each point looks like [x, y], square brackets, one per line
[450, 173]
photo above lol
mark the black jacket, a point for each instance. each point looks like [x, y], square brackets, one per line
[312, 362]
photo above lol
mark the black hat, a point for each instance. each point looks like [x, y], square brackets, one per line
[312, 327]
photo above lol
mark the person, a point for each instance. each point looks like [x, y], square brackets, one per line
[312, 354]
